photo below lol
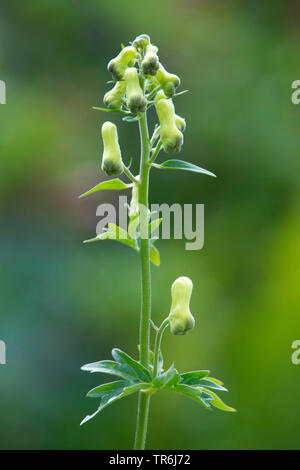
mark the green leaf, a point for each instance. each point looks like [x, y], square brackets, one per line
[167, 379]
[210, 383]
[116, 184]
[181, 165]
[110, 110]
[154, 225]
[112, 397]
[180, 93]
[112, 368]
[206, 399]
[216, 401]
[108, 388]
[140, 371]
[154, 255]
[191, 378]
[191, 392]
[115, 233]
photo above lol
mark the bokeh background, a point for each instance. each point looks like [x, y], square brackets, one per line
[64, 303]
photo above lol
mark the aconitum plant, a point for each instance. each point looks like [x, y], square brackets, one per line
[140, 81]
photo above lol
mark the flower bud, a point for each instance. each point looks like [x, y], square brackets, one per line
[141, 41]
[112, 161]
[118, 65]
[150, 63]
[135, 97]
[180, 318]
[171, 136]
[168, 81]
[113, 99]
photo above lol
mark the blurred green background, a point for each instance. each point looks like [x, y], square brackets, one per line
[64, 304]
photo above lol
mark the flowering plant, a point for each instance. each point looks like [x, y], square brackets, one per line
[140, 82]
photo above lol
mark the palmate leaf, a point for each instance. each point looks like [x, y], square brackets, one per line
[114, 395]
[113, 184]
[182, 165]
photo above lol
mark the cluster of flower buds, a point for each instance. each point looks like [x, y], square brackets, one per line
[139, 76]
[180, 318]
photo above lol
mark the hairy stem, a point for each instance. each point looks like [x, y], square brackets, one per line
[145, 317]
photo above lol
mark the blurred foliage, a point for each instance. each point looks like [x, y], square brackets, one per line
[65, 304]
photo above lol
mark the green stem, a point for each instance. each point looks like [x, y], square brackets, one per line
[130, 175]
[145, 317]
[158, 339]
[156, 152]
[142, 421]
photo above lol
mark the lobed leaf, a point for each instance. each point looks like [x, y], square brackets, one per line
[182, 165]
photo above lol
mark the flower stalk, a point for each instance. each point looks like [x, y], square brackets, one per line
[145, 315]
